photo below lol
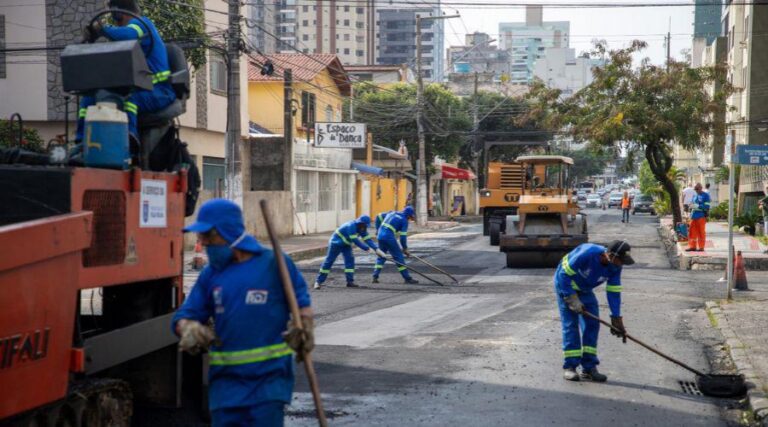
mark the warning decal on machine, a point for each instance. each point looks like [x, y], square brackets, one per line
[153, 209]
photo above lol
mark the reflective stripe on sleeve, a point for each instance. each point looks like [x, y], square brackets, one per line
[367, 238]
[574, 286]
[259, 354]
[160, 77]
[82, 112]
[130, 107]
[138, 29]
[613, 288]
[567, 266]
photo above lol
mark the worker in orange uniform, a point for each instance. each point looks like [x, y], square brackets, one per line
[697, 232]
[625, 202]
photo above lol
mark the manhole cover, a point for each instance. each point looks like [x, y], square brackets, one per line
[690, 387]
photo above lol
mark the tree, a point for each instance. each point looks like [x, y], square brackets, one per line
[180, 22]
[9, 137]
[643, 110]
[391, 116]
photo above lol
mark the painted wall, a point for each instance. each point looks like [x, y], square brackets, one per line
[387, 194]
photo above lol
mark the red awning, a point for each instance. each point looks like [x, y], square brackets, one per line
[450, 172]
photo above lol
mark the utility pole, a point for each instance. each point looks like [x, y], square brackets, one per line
[421, 168]
[287, 127]
[233, 187]
[669, 42]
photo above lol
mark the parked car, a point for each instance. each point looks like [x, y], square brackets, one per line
[615, 200]
[593, 201]
[643, 203]
[581, 195]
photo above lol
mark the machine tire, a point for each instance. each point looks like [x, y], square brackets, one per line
[495, 233]
[548, 259]
[486, 224]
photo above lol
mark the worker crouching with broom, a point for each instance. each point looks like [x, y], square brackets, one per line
[251, 364]
[579, 273]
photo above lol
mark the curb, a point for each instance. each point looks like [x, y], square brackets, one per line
[757, 398]
[304, 254]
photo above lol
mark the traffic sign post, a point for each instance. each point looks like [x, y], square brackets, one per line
[753, 155]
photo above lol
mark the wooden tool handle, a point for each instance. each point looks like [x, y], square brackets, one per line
[290, 296]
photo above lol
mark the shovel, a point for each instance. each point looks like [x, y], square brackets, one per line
[413, 270]
[710, 385]
[434, 267]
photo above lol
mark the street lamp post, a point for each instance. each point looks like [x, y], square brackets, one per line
[421, 168]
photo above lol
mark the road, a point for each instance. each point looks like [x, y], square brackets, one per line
[488, 350]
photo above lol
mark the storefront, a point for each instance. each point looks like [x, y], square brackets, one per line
[454, 192]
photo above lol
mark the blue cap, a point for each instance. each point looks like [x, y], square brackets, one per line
[364, 219]
[227, 218]
[409, 212]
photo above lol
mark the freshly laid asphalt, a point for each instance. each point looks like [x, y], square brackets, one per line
[487, 351]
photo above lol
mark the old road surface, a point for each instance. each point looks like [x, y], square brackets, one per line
[488, 350]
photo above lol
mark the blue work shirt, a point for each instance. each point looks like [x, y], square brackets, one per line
[395, 225]
[157, 59]
[700, 205]
[380, 218]
[348, 234]
[581, 271]
[251, 362]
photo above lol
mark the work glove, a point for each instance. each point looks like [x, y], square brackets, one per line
[406, 252]
[302, 341]
[194, 336]
[381, 253]
[92, 32]
[618, 323]
[574, 303]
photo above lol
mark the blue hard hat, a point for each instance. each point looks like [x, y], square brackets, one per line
[227, 218]
[364, 219]
[409, 212]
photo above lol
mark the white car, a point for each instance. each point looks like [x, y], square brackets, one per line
[593, 201]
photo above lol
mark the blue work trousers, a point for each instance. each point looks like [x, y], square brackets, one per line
[267, 414]
[148, 101]
[333, 253]
[579, 332]
[393, 248]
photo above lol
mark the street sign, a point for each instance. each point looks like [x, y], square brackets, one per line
[752, 155]
[340, 135]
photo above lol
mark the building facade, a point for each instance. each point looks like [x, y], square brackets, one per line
[707, 20]
[478, 55]
[396, 39]
[560, 68]
[30, 82]
[527, 42]
[263, 18]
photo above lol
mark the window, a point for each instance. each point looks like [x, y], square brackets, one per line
[346, 37]
[213, 174]
[359, 25]
[304, 199]
[360, 11]
[359, 53]
[307, 109]
[305, 8]
[218, 73]
[2, 47]
[346, 8]
[346, 192]
[346, 22]
[328, 113]
[305, 37]
[305, 23]
[326, 195]
[360, 39]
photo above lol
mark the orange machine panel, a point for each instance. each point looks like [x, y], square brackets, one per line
[38, 282]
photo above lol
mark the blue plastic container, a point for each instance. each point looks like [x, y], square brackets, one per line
[106, 142]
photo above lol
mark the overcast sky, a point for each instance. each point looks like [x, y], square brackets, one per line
[617, 25]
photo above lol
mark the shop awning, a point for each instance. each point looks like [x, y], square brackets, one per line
[451, 172]
[371, 170]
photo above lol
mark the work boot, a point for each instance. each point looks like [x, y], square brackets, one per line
[411, 282]
[593, 375]
[375, 280]
[316, 286]
[352, 285]
[570, 374]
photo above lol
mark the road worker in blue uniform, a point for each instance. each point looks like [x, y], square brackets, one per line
[379, 219]
[579, 273]
[130, 28]
[352, 232]
[395, 226]
[251, 365]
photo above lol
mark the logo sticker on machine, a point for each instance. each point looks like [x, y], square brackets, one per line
[153, 207]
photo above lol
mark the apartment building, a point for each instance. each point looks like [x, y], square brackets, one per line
[396, 39]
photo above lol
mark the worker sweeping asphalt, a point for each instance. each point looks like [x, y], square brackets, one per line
[579, 273]
[355, 231]
[395, 225]
[251, 365]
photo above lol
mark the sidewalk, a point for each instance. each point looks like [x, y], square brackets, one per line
[744, 324]
[715, 254]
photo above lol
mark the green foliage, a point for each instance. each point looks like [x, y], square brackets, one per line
[179, 22]
[722, 175]
[748, 219]
[9, 137]
[662, 205]
[640, 109]
[391, 116]
[719, 212]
